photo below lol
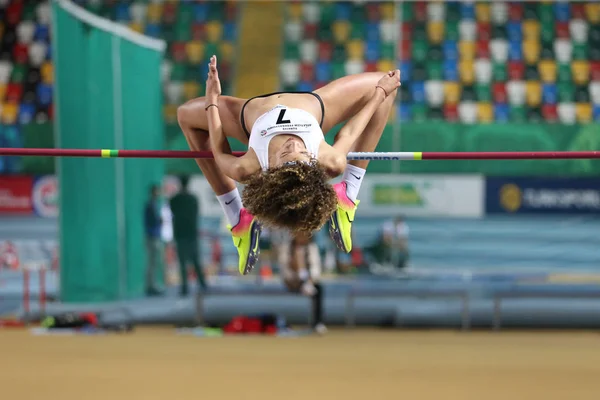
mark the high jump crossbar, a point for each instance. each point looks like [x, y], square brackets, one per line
[385, 156]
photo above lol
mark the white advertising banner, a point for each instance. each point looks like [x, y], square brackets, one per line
[422, 195]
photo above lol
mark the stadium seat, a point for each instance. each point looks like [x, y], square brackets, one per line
[483, 70]
[419, 51]
[578, 29]
[387, 31]
[566, 92]
[9, 113]
[550, 113]
[531, 51]
[309, 51]
[325, 51]
[533, 93]
[581, 72]
[25, 32]
[566, 113]
[592, 12]
[485, 113]
[564, 73]
[516, 70]
[467, 112]
[174, 92]
[355, 49]
[434, 90]
[451, 112]
[37, 53]
[341, 31]
[195, 51]
[14, 92]
[514, 31]
[450, 70]
[499, 50]
[516, 92]
[6, 68]
[452, 92]
[418, 92]
[483, 12]
[311, 12]
[531, 30]
[499, 92]
[483, 92]
[549, 93]
[452, 30]
[191, 90]
[466, 50]
[214, 31]
[482, 49]
[294, 31]
[434, 71]
[501, 113]
[450, 50]
[583, 112]
[595, 92]
[435, 32]
[484, 31]
[466, 71]
[436, 12]
[467, 10]
[547, 71]
[290, 72]
[498, 12]
[468, 30]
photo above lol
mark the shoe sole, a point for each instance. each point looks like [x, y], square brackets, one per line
[335, 233]
[255, 230]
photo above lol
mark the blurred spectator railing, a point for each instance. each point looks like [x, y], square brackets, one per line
[536, 292]
[257, 290]
[461, 294]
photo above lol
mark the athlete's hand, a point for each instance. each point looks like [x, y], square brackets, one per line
[390, 82]
[213, 84]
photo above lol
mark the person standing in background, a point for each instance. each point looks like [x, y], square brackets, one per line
[185, 211]
[395, 242]
[153, 230]
[300, 263]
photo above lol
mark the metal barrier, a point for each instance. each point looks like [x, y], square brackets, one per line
[268, 292]
[409, 293]
[537, 293]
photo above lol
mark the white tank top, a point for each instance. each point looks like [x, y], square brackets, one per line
[282, 120]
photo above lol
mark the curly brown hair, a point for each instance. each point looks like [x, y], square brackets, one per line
[295, 196]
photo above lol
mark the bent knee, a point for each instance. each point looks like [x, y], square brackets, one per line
[189, 111]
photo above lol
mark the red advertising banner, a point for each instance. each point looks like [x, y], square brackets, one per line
[15, 195]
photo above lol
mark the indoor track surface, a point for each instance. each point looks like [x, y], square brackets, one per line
[359, 364]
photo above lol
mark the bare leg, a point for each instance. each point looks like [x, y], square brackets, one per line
[344, 97]
[194, 124]
[368, 140]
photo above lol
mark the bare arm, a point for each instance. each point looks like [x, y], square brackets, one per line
[237, 168]
[346, 137]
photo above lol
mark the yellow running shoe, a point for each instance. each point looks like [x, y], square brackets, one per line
[340, 224]
[245, 237]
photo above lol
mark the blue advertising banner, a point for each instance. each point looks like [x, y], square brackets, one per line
[542, 195]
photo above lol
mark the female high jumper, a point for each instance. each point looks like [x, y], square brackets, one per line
[288, 163]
